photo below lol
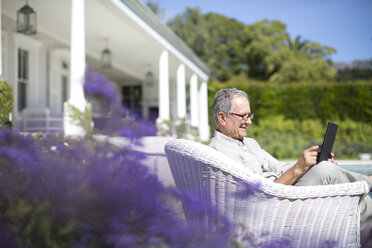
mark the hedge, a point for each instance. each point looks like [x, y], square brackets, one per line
[292, 117]
[286, 138]
[302, 101]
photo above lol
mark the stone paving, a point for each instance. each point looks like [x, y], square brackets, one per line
[153, 147]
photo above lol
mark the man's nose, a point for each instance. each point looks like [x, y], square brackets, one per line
[248, 121]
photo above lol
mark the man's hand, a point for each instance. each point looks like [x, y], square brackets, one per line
[332, 159]
[307, 159]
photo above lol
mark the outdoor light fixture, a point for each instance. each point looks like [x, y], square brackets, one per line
[106, 57]
[149, 79]
[26, 20]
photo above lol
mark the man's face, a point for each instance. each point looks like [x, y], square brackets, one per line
[234, 126]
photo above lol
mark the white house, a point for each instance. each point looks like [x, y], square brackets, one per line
[46, 69]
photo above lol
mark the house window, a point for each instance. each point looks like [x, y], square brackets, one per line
[101, 106]
[64, 89]
[23, 78]
[153, 114]
[132, 100]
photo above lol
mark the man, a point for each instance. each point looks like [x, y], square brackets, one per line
[232, 114]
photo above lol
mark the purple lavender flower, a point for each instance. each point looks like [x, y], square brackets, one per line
[247, 189]
[85, 193]
[97, 85]
[118, 120]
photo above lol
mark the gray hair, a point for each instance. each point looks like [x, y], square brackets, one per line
[222, 101]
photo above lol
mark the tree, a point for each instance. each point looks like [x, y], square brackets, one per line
[267, 50]
[155, 7]
[311, 50]
[352, 74]
[307, 61]
[217, 40]
[302, 69]
[297, 46]
[262, 51]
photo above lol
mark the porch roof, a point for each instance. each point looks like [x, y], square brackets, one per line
[136, 36]
[153, 20]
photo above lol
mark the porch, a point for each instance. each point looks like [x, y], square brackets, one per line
[47, 69]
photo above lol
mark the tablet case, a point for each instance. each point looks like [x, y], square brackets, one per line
[328, 141]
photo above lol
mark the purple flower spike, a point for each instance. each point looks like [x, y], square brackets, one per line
[98, 85]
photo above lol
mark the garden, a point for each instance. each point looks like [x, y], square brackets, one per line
[296, 114]
[83, 192]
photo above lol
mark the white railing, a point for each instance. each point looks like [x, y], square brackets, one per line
[36, 120]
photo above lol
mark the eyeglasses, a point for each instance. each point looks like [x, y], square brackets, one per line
[244, 117]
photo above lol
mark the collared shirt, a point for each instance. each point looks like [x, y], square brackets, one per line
[249, 153]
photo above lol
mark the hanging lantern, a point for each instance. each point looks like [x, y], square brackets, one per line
[106, 57]
[149, 79]
[26, 20]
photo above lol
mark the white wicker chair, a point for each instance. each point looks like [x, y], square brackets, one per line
[306, 216]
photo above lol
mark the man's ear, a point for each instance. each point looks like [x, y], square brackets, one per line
[221, 118]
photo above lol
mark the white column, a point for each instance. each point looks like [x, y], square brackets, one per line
[194, 101]
[77, 66]
[77, 57]
[181, 92]
[164, 86]
[203, 117]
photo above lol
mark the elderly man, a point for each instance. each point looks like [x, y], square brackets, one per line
[232, 114]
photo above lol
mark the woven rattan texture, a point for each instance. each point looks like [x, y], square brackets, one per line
[307, 216]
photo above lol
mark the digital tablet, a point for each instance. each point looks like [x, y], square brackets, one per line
[328, 141]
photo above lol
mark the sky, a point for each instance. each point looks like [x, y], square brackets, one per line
[345, 25]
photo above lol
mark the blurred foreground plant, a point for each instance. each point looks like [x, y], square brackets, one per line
[109, 115]
[84, 193]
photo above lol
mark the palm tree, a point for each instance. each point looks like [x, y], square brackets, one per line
[297, 46]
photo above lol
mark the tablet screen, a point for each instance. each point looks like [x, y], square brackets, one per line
[328, 141]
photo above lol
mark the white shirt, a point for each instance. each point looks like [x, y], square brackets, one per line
[249, 153]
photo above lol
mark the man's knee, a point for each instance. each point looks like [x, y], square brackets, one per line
[324, 168]
[320, 174]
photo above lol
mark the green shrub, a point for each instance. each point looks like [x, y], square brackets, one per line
[292, 117]
[81, 118]
[183, 131]
[302, 101]
[287, 138]
[6, 101]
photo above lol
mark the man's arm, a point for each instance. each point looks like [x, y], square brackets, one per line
[307, 160]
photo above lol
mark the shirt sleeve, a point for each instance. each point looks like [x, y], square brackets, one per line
[272, 168]
[271, 164]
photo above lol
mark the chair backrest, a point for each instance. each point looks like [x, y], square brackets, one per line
[201, 170]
